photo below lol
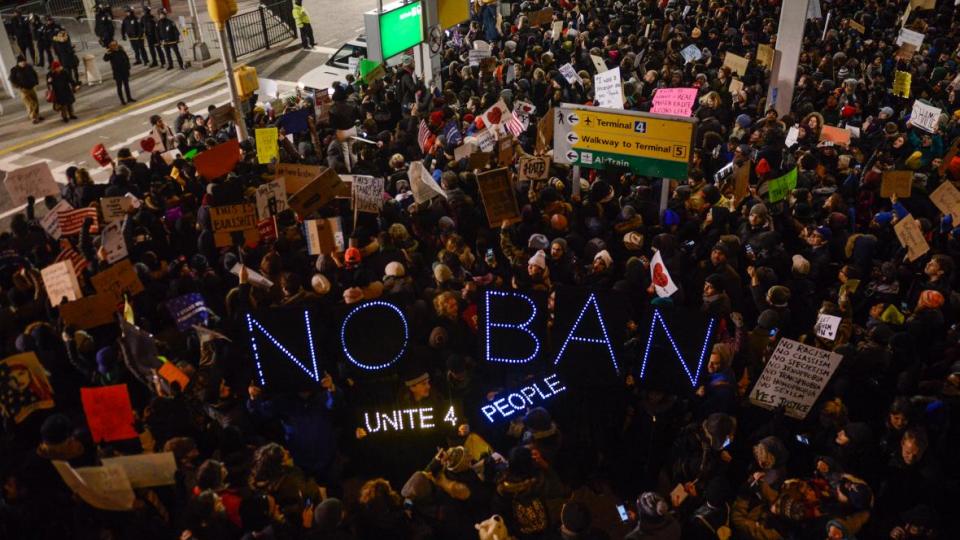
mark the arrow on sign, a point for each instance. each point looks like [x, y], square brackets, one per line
[572, 155]
[572, 119]
[573, 138]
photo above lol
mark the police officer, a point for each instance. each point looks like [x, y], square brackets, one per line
[20, 32]
[44, 33]
[131, 28]
[150, 31]
[103, 27]
[169, 36]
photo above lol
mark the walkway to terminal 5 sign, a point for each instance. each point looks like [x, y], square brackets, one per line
[647, 144]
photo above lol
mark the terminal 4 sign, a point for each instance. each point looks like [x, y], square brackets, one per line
[292, 348]
[647, 144]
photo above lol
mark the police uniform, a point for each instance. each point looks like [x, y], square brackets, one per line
[132, 28]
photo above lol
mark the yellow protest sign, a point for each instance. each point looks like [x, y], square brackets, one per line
[901, 84]
[765, 55]
[267, 147]
[736, 63]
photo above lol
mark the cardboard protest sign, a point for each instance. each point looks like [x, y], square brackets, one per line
[499, 197]
[765, 55]
[51, 221]
[367, 194]
[534, 168]
[906, 51]
[218, 161]
[60, 281]
[902, 81]
[925, 116]
[271, 198]
[897, 183]
[947, 199]
[222, 115]
[505, 152]
[324, 236]
[736, 85]
[188, 310]
[233, 218]
[35, 180]
[911, 237]
[118, 279]
[675, 101]
[736, 63]
[113, 242]
[598, 64]
[115, 208]
[422, 184]
[256, 278]
[556, 29]
[479, 160]
[109, 413]
[71, 221]
[296, 176]
[540, 17]
[485, 140]
[464, 151]
[474, 56]
[545, 133]
[835, 135]
[691, 53]
[268, 148]
[569, 74]
[146, 470]
[25, 387]
[320, 191]
[923, 4]
[741, 186]
[609, 89]
[90, 311]
[854, 25]
[105, 488]
[172, 374]
[827, 326]
[794, 377]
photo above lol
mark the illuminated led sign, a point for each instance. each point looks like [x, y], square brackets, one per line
[491, 326]
[531, 395]
[418, 419]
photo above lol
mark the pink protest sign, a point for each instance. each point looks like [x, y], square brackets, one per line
[675, 101]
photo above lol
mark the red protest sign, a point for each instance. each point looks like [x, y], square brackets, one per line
[218, 160]
[109, 413]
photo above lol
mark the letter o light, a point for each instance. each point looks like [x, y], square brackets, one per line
[343, 336]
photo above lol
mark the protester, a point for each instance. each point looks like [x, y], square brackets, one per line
[61, 88]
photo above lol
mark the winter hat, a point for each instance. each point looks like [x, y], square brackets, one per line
[539, 422]
[604, 255]
[442, 273]
[633, 241]
[887, 112]
[56, 429]
[352, 295]
[883, 218]
[719, 426]
[562, 242]
[744, 121]
[539, 259]
[327, 515]
[457, 459]
[670, 218]
[320, 284]
[930, 299]
[824, 232]
[759, 210]
[716, 281]
[415, 377]
[538, 241]
[438, 337]
[778, 295]
[768, 319]
[352, 256]
[558, 222]
[652, 505]
[801, 265]
[858, 493]
[575, 517]
[395, 269]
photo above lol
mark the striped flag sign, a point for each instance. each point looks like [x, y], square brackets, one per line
[515, 125]
[423, 136]
[71, 221]
[79, 261]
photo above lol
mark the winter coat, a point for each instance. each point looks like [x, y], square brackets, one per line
[132, 28]
[119, 63]
[300, 16]
[167, 32]
[149, 24]
[46, 33]
[63, 48]
[62, 85]
[20, 30]
[24, 77]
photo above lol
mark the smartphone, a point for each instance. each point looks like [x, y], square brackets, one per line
[726, 443]
[622, 510]
[803, 439]
[773, 331]
[749, 249]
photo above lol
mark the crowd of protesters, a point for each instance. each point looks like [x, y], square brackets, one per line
[871, 460]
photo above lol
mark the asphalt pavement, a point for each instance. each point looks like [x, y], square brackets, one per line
[102, 119]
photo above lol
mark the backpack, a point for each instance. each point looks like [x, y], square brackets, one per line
[530, 515]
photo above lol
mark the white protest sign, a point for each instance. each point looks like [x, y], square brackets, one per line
[662, 282]
[598, 63]
[556, 29]
[113, 242]
[827, 326]
[910, 36]
[925, 116]
[476, 55]
[59, 279]
[51, 223]
[255, 278]
[268, 89]
[146, 470]
[36, 180]
[272, 198]
[115, 208]
[569, 74]
[486, 140]
[608, 89]
[792, 135]
[794, 377]
[422, 184]
[367, 194]
[691, 53]
[106, 488]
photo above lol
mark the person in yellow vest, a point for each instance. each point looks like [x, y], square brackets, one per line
[302, 19]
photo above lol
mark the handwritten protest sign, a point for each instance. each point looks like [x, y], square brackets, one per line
[556, 29]
[835, 135]
[499, 197]
[569, 74]
[736, 63]
[541, 17]
[598, 64]
[854, 25]
[268, 148]
[902, 81]
[320, 191]
[765, 55]
[691, 53]
[827, 326]
[925, 116]
[367, 194]
[910, 36]
[118, 279]
[222, 115]
[675, 101]
[534, 168]
[26, 387]
[51, 222]
[324, 236]
[146, 470]
[109, 413]
[911, 237]
[218, 161]
[233, 217]
[271, 198]
[115, 246]
[60, 281]
[90, 311]
[256, 278]
[779, 188]
[188, 310]
[105, 487]
[947, 199]
[35, 180]
[896, 183]
[297, 176]
[115, 208]
[422, 184]
[794, 377]
[608, 89]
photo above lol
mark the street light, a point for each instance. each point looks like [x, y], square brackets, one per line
[220, 12]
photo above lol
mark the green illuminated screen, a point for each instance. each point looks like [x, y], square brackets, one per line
[401, 29]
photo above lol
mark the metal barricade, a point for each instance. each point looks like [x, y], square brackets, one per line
[261, 28]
